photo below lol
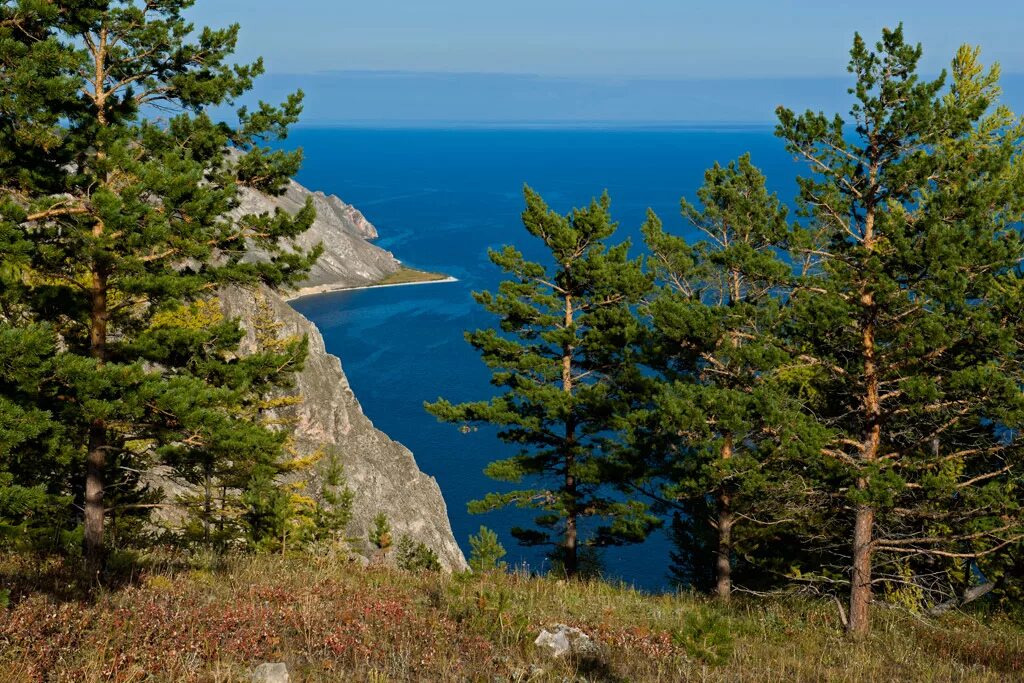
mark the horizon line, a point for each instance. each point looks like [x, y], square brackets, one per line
[523, 124]
[580, 77]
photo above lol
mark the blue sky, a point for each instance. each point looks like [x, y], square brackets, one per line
[612, 51]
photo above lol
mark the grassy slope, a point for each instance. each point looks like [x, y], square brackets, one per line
[409, 275]
[331, 620]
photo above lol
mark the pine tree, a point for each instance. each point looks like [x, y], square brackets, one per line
[724, 425]
[116, 217]
[910, 312]
[486, 552]
[380, 535]
[561, 349]
[233, 489]
[334, 506]
[416, 556]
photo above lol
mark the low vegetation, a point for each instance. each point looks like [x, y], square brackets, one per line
[407, 276]
[332, 620]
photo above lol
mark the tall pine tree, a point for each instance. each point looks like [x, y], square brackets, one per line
[562, 346]
[722, 427]
[910, 313]
[116, 184]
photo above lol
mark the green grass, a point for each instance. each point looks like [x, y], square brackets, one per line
[406, 276]
[332, 620]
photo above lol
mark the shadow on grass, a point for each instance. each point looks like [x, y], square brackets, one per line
[66, 579]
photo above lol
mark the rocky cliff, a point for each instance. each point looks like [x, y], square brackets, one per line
[382, 473]
[349, 260]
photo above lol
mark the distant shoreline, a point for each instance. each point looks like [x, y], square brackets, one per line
[330, 289]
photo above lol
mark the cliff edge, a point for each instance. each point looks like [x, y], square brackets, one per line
[382, 473]
[349, 259]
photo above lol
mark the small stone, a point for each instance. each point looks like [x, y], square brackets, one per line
[275, 672]
[563, 640]
[553, 644]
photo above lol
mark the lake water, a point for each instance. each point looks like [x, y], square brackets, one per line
[440, 199]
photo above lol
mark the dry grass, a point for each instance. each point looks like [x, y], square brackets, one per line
[406, 276]
[331, 620]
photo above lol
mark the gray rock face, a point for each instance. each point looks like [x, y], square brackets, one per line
[382, 473]
[348, 259]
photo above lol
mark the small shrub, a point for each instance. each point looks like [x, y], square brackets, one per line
[705, 636]
[159, 583]
[416, 557]
[122, 565]
[380, 536]
[5, 599]
[486, 552]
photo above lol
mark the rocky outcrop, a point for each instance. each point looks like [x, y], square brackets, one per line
[382, 473]
[349, 260]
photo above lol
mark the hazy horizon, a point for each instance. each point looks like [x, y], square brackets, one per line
[577, 61]
[425, 98]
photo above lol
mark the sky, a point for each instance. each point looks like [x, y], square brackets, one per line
[534, 60]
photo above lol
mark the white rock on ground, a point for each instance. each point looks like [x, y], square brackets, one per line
[563, 640]
[275, 672]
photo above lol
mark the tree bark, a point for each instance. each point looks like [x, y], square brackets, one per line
[723, 560]
[207, 505]
[859, 624]
[569, 542]
[863, 528]
[96, 458]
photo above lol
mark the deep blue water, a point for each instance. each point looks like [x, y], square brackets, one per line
[440, 199]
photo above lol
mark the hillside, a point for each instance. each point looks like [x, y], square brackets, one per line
[329, 620]
[349, 259]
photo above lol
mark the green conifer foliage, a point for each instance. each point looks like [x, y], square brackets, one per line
[910, 311]
[415, 556]
[565, 335]
[722, 427]
[380, 535]
[334, 507]
[115, 185]
[35, 510]
[486, 552]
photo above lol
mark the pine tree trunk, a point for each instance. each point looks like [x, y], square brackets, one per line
[723, 561]
[569, 542]
[571, 560]
[96, 458]
[859, 624]
[207, 507]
